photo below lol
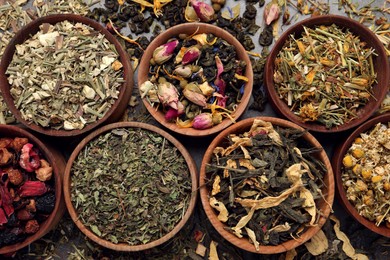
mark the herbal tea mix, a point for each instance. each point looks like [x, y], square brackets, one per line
[130, 185]
[264, 184]
[366, 174]
[27, 194]
[196, 80]
[65, 77]
[326, 75]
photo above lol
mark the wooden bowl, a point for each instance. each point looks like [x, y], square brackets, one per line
[337, 163]
[191, 28]
[123, 246]
[381, 65]
[243, 243]
[112, 115]
[58, 163]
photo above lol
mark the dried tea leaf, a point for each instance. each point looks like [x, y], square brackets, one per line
[96, 230]
[347, 247]
[216, 186]
[213, 251]
[238, 142]
[231, 13]
[318, 244]
[223, 212]
[252, 236]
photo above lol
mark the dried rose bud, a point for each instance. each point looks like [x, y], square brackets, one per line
[17, 143]
[184, 71]
[203, 121]
[168, 94]
[164, 52]
[5, 156]
[32, 188]
[31, 227]
[193, 93]
[15, 176]
[190, 55]
[24, 214]
[271, 12]
[29, 159]
[174, 113]
[44, 172]
[205, 12]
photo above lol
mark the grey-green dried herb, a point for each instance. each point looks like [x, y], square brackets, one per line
[130, 185]
[65, 77]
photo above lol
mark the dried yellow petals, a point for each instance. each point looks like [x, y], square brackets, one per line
[366, 173]
[347, 247]
[184, 124]
[223, 212]
[318, 244]
[242, 223]
[357, 153]
[125, 37]
[213, 255]
[117, 65]
[348, 161]
[121, 2]
[376, 178]
[358, 140]
[252, 237]
[386, 186]
[246, 163]
[216, 186]
[361, 185]
[327, 62]
[310, 77]
[360, 81]
[357, 169]
[309, 205]
[301, 47]
[230, 164]
[241, 77]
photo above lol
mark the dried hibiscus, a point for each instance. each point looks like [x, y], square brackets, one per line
[32, 188]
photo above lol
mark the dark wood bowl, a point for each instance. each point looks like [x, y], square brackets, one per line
[191, 28]
[123, 246]
[57, 161]
[381, 65]
[112, 115]
[323, 205]
[337, 163]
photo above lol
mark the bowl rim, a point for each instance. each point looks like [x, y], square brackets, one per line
[57, 162]
[243, 243]
[123, 246]
[381, 87]
[341, 150]
[196, 27]
[32, 28]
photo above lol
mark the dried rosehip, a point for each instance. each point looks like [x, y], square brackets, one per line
[29, 159]
[44, 172]
[15, 176]
[18, 143]
[5, 156]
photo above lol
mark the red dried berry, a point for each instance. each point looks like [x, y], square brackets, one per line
[32, 188]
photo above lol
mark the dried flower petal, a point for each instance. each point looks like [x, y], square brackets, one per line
[271, 12]
[190, 55]
[32, 188]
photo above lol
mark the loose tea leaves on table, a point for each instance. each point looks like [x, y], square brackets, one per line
[326, 75]
[195, 80]
[366, 174]
[130, 186]
[65, 77]
[264, 184]
[26, 190]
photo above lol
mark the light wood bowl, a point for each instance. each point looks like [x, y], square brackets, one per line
[243, 243]
[112, 115]
[123, 246]
[190, 28]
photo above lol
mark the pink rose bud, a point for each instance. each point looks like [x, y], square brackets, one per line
[168, 94]
[219, 82]
[193, 93]
[190, 55]
[164, 52]
[174, 113]
[271, 12]
[184, 71]
[205, 12]
[203, 121]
